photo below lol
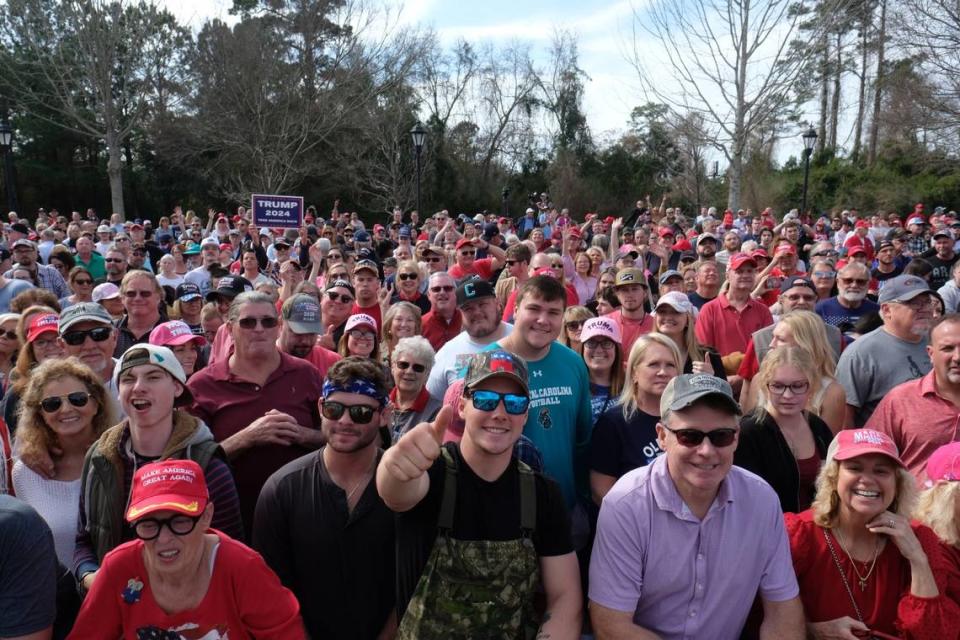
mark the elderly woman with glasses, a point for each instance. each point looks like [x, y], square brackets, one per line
[180, 574]
[411, 362]
[864, 569]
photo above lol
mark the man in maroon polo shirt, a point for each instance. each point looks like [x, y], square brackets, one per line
[444, 321]
[261, 404]
[923, 414]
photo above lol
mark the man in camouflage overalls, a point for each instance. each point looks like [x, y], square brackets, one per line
[491, 553]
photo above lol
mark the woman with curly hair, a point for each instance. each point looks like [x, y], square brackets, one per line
[402, 320]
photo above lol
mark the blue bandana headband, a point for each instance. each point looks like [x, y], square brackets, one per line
[362, 387]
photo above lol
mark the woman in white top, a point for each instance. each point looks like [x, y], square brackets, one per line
[168, 276]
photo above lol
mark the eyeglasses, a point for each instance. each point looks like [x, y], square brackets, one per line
[334, 256]
[83, 283]
[133, 293]
[573, 325]
[407, 276]
[606, 345]
[824, 274]
[795, 388]
[694, 437]
[444, 288]
[434, 259]
[514, 403]
[556, 265]
[75, 338]
[53, 403]
[9, 335]
[339, 297]
[179, 525]
[113, 260]
[918, 303]
[468, 253]
[267, 322]
[403, 366]
[359, 413]
[510, 263]
[829, 254]
[859, 281]
[358, 334]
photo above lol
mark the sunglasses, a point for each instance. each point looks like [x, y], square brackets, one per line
[267, 322]
[113, 260]
[133, 293]
[824, 274]
[334, 256]
[694, 437]
[514, 403]
[854, 281]
[76, 338]
[573, 325]
[446, 288]
[403, 366]
[53, 403]
[179, 525]
[407, 276]
[359, 413]
[339, 297]
[468, 253]
[434, 259]
[83, 283]
[9, 335]
[606, 345]
[509, 263]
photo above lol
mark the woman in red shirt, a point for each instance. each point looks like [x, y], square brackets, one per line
[939, 505]
[180, 576]
[861, 564]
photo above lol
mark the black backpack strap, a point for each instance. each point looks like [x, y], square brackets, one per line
[448, 503]
[528, 498]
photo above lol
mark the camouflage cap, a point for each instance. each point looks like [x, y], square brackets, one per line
[496, 363]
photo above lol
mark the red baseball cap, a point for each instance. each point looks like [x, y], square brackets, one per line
[576, 233]
[545, 271]
[666, 231]
[168, 485]
[737, 260]
[503, 220]
[462, 242]
[43, 323]
[944, 464]
[852, 251]
[785, 249]
[852, 443]
[759, 253]
[608, 220]
[173, 333]
[767, 222]
[861, 224]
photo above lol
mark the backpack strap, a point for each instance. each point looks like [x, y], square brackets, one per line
[448, 502]
[528, 499]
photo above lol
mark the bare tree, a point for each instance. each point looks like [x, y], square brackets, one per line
[931, 31]
[729, 62]
[444, 79]
[87, 66]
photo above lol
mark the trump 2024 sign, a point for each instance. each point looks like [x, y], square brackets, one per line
[277, 211]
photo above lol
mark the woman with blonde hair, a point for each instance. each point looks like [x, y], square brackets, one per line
[804, 329]
[781, 440]
[9, 346]
[676, 318]
[573, 319]
[402, 320]
[939, 502]
[38, 327]
[625, 436]
[864, 569]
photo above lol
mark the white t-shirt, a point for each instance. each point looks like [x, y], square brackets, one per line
[57, 502]
[451, 361]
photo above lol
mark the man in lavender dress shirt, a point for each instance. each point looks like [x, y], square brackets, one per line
[685, 544]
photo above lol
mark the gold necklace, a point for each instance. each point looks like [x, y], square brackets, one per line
[862, 579]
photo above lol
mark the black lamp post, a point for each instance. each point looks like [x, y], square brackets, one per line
[419, 135]
[809, 139]
[505, 196]
[6, 144]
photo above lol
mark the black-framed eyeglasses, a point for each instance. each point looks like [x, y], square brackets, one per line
[359, 413]
[76, 338]
[179, 525]
[53, 403]
[514, 403]
[416, 366]
[267, 322]
[795, 388]
[694, 437]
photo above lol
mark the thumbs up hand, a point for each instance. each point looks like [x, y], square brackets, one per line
[417, 450]
[703, 366]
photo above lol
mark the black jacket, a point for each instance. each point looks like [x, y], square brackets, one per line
[764, 451]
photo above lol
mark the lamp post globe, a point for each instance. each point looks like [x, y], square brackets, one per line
[809, 140]
[419, 135]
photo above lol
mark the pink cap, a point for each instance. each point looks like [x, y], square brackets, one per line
[852, 443]
[603, 327]
[173, 333]
[360, 320]
[944, 464]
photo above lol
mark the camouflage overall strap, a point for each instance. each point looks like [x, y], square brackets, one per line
[448, 503]
[528, 499]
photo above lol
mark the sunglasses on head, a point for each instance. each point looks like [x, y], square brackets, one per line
[514, 403]
[179, 525]
[339, 297]
[53, 403]
[694, 437]
[75, 338]
[267, 322]
[403, 366]
[359, 413]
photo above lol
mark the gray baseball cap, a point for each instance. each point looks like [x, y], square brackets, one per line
[302, 314]
[903, 289]
[83, 312]
[687, 389]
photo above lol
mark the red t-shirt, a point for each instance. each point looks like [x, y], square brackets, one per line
[322, 359]
[482, 267]
[630, 330]
[244, 600]
[373, 311]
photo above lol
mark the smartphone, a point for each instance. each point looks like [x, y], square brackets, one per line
[774, 282]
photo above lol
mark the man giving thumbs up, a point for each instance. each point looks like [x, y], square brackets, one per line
[478, 529]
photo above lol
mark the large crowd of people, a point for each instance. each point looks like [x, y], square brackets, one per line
[706, 425]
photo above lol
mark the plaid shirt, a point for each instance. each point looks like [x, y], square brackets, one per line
[48, 278]
[917, 244]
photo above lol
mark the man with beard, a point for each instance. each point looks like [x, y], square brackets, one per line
[850, 304]
[707, 247]
[46, 276]
[481, 321]
[941, 256]
[299, 328]
[320, 524]
[891, 354]
[115, 263]
[887, 266]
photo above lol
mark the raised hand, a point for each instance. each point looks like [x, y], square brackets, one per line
[417, 450]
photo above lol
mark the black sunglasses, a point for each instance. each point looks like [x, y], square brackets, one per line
[83, 282]
[359, 413]
[694, 437]
[53, 403]
[9, 335]
[75, 338]
[339, 297]
[407, 276]
[267, 322]
[403, 366]
[179, 525]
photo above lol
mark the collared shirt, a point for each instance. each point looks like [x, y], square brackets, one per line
[438, 331]
[727, 330]
[228, 404]
[97, 266]
[48, 278]
[126, 339]
[918, 419]
[682, 577]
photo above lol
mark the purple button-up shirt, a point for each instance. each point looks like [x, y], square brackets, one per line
[683, 577]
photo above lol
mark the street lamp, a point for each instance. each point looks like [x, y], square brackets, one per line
[505, 196]
[809, 139]
[419, 135]
[6, 144]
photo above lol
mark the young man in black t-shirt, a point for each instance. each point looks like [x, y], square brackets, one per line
[489, 505]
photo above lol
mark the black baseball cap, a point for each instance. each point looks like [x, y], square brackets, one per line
[474, 289]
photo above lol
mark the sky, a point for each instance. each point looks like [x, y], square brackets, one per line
[603, 28]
